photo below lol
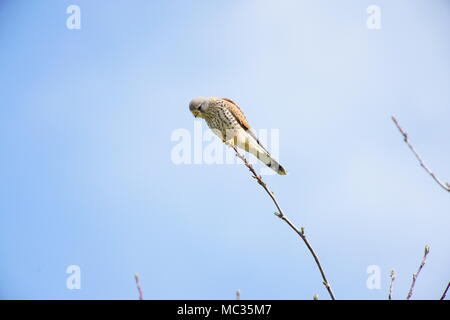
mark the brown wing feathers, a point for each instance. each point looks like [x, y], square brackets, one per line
[239, 115]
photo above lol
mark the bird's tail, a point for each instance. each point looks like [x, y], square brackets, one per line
[267, 159]
[251, 145]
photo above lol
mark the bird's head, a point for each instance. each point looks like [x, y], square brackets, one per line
[198, 106]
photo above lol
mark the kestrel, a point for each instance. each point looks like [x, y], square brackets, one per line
[227, 121]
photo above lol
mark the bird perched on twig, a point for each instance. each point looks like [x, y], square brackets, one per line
[227, 121]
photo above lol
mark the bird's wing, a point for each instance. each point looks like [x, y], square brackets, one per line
[240, 117]
[237, 113]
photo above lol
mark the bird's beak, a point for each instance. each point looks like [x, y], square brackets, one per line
[196, 113]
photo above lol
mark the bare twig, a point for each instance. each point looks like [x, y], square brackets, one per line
[280, 214]
[444, 185]
[238, 294]
[445, 292]
[138, 285]
[415, 275]
[391, 286]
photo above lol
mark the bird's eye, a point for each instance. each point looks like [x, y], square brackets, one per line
[199, 107]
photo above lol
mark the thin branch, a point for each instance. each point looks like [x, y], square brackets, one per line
[444, 185]
[391, 286]
[415, 275]
[445, 292]
[280, 214]
[138, 285]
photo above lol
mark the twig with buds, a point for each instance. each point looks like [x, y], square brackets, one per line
[415, 275]
[280, 214]
[445, 292]
[444, 185]
[138, 285]
[391, 286]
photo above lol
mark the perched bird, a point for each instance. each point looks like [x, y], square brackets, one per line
[227, 121]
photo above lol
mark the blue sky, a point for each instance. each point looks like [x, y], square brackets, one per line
[86, 118]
